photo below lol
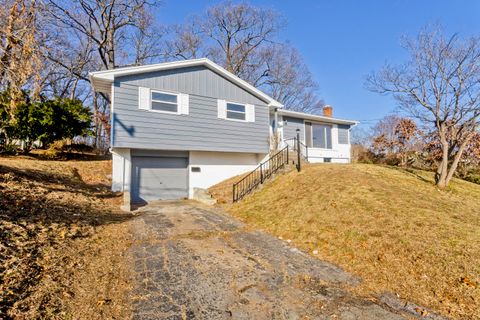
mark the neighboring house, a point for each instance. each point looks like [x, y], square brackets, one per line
[179, 126]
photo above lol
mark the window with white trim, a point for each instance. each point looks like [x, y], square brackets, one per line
[321, 136]
[236, 111]
[162, 101]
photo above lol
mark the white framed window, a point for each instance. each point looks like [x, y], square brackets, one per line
[343, 134]
[236, 111]
[322, 136]
[163, 102]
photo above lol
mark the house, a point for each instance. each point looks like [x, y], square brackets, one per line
[179, 126]
[327, 139]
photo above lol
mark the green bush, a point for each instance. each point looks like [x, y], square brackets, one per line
[46, 121]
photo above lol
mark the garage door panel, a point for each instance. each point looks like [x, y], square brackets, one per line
[159, 178]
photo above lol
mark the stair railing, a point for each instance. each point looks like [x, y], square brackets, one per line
[295, 145]
[264, 171]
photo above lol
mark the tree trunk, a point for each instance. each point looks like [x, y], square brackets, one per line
[442, 170]
[95, 119]
[441, 174]
[456, 161]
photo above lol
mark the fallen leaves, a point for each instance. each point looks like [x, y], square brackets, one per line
[421, 312]
[468, 282]
[103, 302]
[43, 209]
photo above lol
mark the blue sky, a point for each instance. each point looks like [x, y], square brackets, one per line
[344, 40]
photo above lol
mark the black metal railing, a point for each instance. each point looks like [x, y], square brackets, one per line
[264, 171]
[294, 145]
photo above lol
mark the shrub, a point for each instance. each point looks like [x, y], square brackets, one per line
[56, 149]
[475, 178]
[45, 120]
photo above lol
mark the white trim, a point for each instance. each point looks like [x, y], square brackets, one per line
[313, 117]
[112, 115]
[184, 103]
[144, 98]
[221, 108]
[305, 133]
[100, 79]
[250, 113]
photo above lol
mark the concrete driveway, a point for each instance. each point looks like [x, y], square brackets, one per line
[195, 262]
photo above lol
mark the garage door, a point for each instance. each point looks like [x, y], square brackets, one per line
[159, 178]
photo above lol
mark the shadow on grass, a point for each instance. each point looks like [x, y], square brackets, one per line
[411, 172]
[72, 183]
[36, 195]
[42, 155]
[40, 211]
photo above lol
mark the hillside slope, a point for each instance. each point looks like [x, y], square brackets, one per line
[62, 241]
[393, 228]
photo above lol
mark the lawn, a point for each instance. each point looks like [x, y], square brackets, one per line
[62, 241]
[391, 227]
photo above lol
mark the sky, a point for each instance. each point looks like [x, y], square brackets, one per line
[342, 41]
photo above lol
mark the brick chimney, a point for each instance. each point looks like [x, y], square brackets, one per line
[328, 111]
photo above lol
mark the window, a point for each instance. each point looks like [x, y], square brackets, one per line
[166, 102]
[322, 136]
[236, 111]
[343, 134]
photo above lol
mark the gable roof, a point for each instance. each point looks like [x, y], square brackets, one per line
[102, 80]
[314, 117]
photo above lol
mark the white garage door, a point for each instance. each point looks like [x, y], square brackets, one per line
[159, 178]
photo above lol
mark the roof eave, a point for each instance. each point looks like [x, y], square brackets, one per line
[314, 117]
[99, 79]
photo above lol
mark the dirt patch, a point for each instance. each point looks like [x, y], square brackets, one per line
[62, 241]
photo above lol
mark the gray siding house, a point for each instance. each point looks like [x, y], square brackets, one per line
[184, 125]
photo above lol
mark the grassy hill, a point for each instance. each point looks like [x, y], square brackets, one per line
[390, 226]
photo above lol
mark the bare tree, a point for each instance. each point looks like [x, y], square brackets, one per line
[440, 86]
[239, 32]
[243, 39]
[101, 34]
[147, 40]
[287, 79]
[107, 23]
[66, 68]
[20, 39]
[384, 133]
[186, 42]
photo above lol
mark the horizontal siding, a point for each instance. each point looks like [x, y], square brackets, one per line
[200, 130]
[291, 126]
[199, 81]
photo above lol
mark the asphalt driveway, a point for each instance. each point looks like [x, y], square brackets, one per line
[195, 262]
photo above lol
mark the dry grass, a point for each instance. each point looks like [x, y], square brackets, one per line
[393, 228]
[62, 241]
